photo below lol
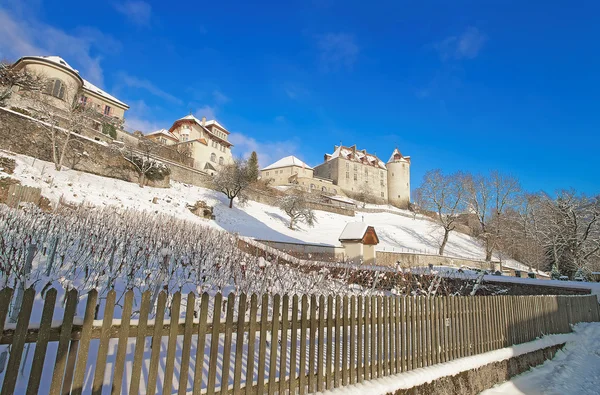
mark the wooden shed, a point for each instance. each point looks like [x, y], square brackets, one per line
[359, 241]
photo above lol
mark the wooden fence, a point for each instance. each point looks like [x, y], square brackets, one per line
[22, 194]
[273, 344]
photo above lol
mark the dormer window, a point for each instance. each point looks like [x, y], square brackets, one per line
[106, 110]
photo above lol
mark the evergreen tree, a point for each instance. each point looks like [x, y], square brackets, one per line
[555, 273]
[253, 167]
[580, 275]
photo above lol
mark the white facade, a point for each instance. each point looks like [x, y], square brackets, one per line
[398, 175]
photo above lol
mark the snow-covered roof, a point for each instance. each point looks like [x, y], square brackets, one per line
[214, 122]
[93, 88]
[356, 231]
[164, 132]
[286, 162]
[341, 199]
[353, 154]
[86, 84]
[199, 123]
[56, 59]
[397, 156]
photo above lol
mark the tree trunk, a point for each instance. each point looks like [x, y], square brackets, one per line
[63, 152]
[444, 241]
[291, 223]
[231, 202]
[141, 180]
[488, 253]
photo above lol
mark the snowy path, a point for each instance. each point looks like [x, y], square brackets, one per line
[574, 370]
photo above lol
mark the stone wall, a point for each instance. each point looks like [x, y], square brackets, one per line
[407, 259]
[23, 135]
[472, 382]
[316, 252]
[270, 197]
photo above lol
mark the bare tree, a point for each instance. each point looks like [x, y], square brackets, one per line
[61, 123]
[143, 161]
[364, 194]
[296, 206]
[444, 195]
[569, 229]
[232, 179]
[10, 78]
[489, 198]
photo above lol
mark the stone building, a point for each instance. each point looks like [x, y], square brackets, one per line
[292, 171]
[348, 171]
[206, 142]
[63, 85]
[352, 170]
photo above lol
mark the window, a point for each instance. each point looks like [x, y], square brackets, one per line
[347, 166]
[355, 177]
[381, 194]
[213, 157]
[84, 100]
[381, 174]
[184, 137]
[56, 88]
[267, 173]
[221, 160]
[355, 167]
[348, 174]
[324, 189]
[106, 110]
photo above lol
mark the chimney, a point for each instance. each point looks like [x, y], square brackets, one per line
[203, 121]
[354, 149]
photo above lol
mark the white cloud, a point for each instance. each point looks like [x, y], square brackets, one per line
[139, 12]
[134, 82]
[20, 36]
[267, 152]
[337, 51]
[220, 97]
[465, 46]
[206, 111]
[137, 118]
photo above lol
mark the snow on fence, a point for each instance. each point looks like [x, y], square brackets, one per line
[278, 344]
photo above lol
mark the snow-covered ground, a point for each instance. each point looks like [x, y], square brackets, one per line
[258, 220]
[574, 370]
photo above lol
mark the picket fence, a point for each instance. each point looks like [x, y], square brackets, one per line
[287, 344]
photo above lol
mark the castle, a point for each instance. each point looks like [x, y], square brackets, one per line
[348, 171]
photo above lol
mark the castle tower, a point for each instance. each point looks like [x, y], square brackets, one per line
[398, 179]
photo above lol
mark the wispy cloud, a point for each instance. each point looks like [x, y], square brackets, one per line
[139, 118]
[135, 82]
[22, 35]
[220, 97]
[337, 51]
[267, 152]
[210, 112]
[138, 12]
[295, 91]
[464, 46]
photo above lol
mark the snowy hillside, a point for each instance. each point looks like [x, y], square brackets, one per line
[400, 233]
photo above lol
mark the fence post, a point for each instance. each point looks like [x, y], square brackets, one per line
[16, 352]
[187, 342]
[294, 342]
[42, 342]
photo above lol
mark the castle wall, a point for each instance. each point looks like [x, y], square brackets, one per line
[280, 176]
[350, 176]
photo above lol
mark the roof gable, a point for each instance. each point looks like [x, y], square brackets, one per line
[359, 232]
[286, 162]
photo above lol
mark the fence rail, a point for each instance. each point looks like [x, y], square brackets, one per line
[272, 344]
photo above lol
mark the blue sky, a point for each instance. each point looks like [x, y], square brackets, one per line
[457, 85]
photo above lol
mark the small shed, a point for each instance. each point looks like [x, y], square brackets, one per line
[359, 241]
